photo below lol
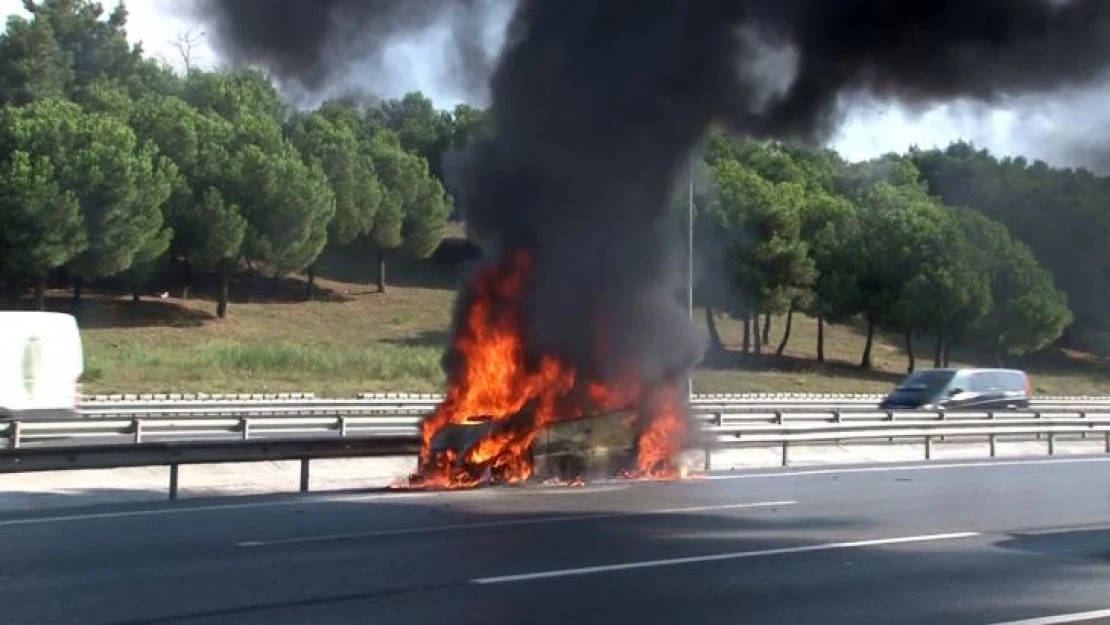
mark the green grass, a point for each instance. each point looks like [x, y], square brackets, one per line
[241, 366]
[1053, 372]
[352, 339]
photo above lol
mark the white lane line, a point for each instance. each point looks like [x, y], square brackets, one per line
[511, 522]
[908, 467]
[123, 514]
[1075, 617]
[717, 557]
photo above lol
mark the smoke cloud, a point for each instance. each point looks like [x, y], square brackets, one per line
[597, 104]
[316, 44]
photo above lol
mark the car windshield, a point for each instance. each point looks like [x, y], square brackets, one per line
[933, 380]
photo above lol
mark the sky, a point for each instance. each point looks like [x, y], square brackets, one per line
[1067, 129]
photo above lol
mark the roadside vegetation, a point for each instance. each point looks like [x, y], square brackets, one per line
[353, 339]
[210, 237]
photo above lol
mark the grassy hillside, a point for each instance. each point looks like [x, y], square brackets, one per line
[352, 339]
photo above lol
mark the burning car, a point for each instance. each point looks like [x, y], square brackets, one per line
[567, 451]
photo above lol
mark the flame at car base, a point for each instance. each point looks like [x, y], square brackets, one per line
[500, 397]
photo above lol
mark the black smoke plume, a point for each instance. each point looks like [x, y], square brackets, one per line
[313, 43]
[596, 105]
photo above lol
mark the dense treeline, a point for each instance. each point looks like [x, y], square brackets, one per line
[111, 164]
[114, 166]
[790, 230]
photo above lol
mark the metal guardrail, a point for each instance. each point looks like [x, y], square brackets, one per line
[929, 431]
[176, 454]
[122, 397]
[436, 397]
[173, 442]
[400, 404]
[248, 426]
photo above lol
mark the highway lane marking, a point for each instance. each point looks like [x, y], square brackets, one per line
[123, 514]
[907, 467]
[1075, 617]
[511, 523]
[717, 557]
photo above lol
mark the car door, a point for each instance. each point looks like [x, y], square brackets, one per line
[961, 393]
[974, 390]
[992, 391]
[1015, 389]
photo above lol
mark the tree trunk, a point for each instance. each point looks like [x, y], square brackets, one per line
[310, 289]
[757, 335]
[865, 362]
[40, 293]
[381, 272]
[221, 306]
[136, 295]
[78, 292]
[947, 353]
[188, 280]
[786, 330]
[820, 339]
[767, 329]
[716, 345]
[14, 295]
[746, 345]
[998, 352]
[911, 359]
[938, 351]
[275, 286]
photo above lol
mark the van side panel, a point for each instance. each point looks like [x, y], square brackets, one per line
[41, 361]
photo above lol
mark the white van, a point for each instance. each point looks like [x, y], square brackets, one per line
[41, 362]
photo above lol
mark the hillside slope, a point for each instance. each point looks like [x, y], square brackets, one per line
[351, 339]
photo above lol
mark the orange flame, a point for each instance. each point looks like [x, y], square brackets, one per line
[499, 381]
[662, 439]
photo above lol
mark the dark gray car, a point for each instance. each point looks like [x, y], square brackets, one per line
[961, 389]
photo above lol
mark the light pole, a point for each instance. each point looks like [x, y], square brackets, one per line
[690, 261]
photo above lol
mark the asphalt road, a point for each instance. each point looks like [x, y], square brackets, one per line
[953, 544]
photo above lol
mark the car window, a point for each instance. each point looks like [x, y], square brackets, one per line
[1012, 381]
[960, 380]
[979, 382]
[994, 381]
[931, 380]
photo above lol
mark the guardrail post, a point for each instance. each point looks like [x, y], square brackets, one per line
[1108, 442]
[718, 420]
[173, 481]
[1052, 443]
[343, 427]
[778, 417]
[1037, 415]
[890, 417]
[785, 453]
[245, 427]
[304, 474]
[15, 435]
[1083, 415]
[994, 446]
[137, 427]
[928, 447]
